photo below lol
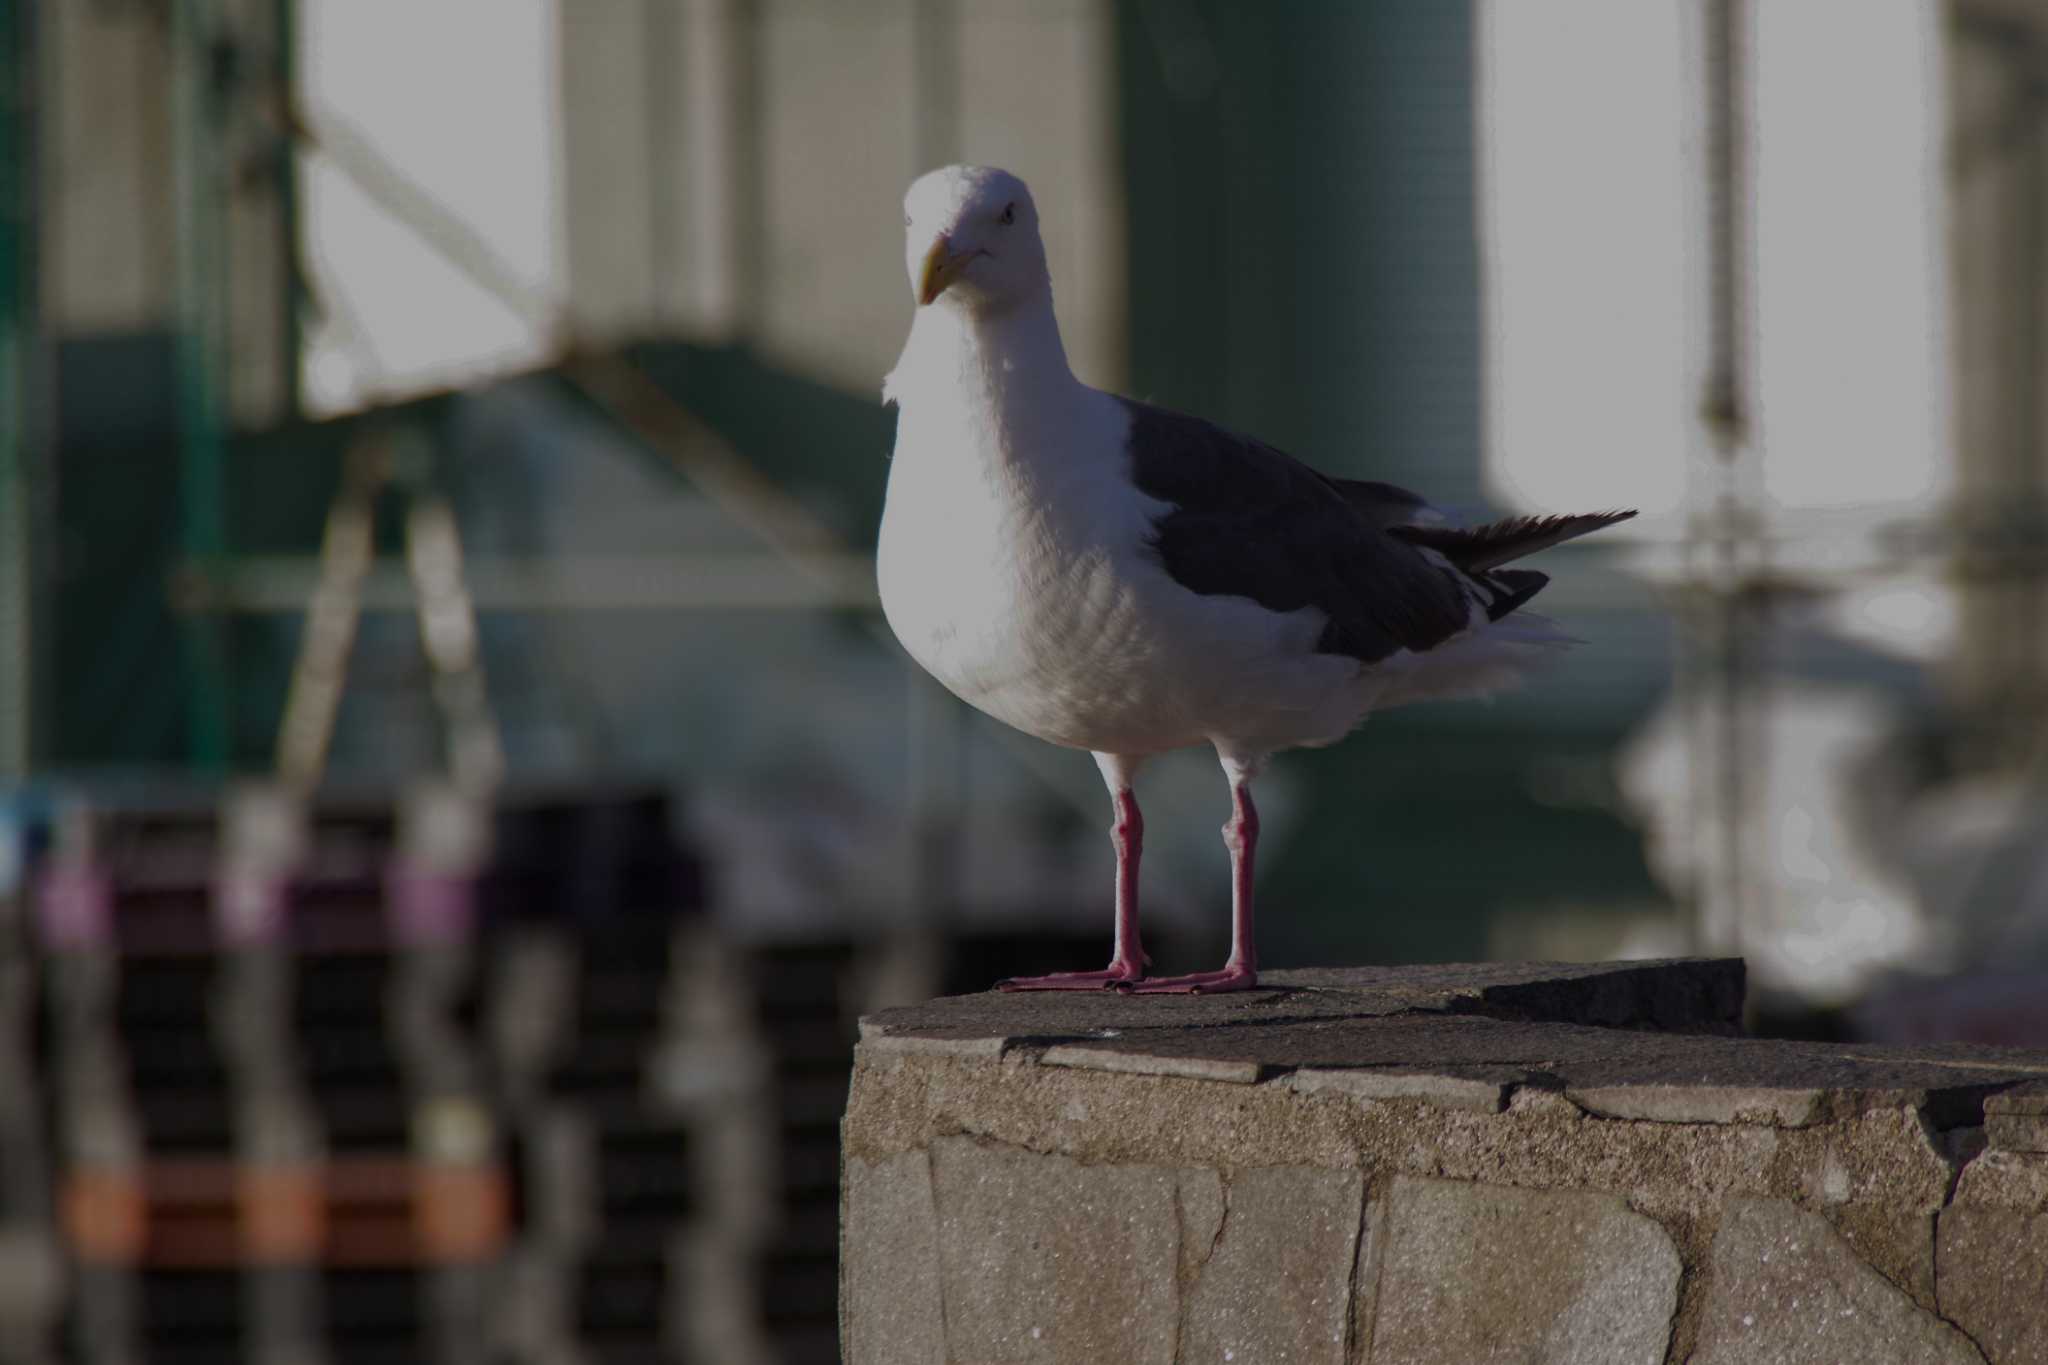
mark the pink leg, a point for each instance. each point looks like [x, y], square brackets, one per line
[1241, 972]
[1128, 962]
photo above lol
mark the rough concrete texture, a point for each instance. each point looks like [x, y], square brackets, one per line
[1787, 1289]
[1992, 1278]
[1486, 1274]
[2017, 1119]
[895, 1262]
[1140, 1178]
[1276, 1284]
[1044, 1259]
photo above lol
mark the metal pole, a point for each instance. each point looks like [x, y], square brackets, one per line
[201, 229]
[16, 523]
[284, 40]
[1722, 548]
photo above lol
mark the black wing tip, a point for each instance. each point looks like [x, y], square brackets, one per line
[1476, 549]
[1513, 589]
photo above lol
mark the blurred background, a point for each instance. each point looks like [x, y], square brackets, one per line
[457, 792]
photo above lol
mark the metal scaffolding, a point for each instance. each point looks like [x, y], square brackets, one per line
[198, 132]
[17, 331]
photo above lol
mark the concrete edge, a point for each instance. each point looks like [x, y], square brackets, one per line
[1087, 1057]
[2017, 1132]
[886, 1044]
[1722, 1105]
[2029, 1097]
[1442, 1091]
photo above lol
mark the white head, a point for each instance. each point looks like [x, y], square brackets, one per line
[971, 239]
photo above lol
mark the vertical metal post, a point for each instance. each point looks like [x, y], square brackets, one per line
[748, 218]
[1722, 545]
[200, 186]
[17, 560]
[719, 205]
[285, 57]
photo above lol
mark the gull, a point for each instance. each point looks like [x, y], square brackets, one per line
[1112, 576]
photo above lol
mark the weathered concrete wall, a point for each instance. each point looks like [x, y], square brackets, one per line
[1526, 1164]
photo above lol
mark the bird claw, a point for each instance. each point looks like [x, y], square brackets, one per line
[1195, 983]
[1113, 978]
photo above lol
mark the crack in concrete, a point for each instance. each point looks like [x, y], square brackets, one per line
[1934, 1269]
[1181, 1290]
[1222, 1223]
[1974, 1344]
[931, 1181]
[1351, 1276]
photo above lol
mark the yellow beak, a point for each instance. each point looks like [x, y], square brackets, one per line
[942, 265]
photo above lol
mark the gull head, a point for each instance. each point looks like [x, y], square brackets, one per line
[971, 240]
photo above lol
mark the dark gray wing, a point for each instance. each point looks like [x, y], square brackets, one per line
[1247, 520]
[1382, 504]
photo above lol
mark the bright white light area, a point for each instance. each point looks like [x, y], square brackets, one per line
[1592, 221]
[1851, 318]
[1583, 203]
[458, 98]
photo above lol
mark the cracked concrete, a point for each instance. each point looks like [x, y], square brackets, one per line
[1336, 1168]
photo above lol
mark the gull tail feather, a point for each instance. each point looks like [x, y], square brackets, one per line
[1476, 549]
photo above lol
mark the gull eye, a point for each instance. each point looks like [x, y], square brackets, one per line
[1009, 214]
[906, 220]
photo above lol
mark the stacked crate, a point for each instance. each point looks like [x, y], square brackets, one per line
[286, 1121]
[607, 1169]
[417, 1083]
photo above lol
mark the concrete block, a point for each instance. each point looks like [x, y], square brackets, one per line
[1445, 1091]
[1201, 1220]
[2016, 1118]
[894, 1261]
[2029, 1098]
[1473, 1162]
[1278, 1284]
[1150, 1064]
[1771, 1106]
[2017, 1132]
[921, 1045]
[1484, 1273]
[1046, 1261]
[1786, 1289]
[2006, 1179]
[1992, 1280]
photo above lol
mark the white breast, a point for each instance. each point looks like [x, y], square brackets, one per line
[1025, 588]
[998, 575]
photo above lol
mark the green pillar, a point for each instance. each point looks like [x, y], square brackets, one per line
[201, 189]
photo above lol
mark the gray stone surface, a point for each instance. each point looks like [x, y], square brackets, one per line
[1044, 1259]
[1435, 1153]
[895, 1261]
[2001, 1179]
[2017, 1132]
[2016, 1119]
[1504, 1023]
[2028, 1098]
[1669, 1103]
[1992, 1278]
[1149, 1063]
[1483, 1273]
[1484, 1089]
[1786, 1289]
[1278, 1285]
[1692, 994]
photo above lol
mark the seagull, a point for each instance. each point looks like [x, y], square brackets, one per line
[1112, 576]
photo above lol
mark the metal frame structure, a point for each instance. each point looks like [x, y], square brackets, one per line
[198, 141]
[17, 344]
